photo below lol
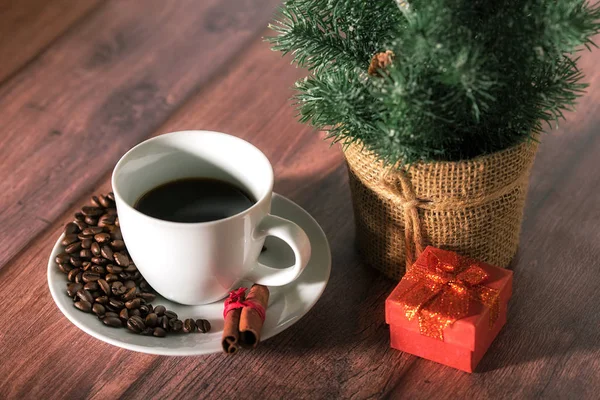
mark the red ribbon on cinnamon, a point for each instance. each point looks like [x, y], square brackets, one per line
[244, 317]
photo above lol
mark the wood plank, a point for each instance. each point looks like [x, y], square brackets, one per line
[27, 27]
[340, 349]
[69, 115]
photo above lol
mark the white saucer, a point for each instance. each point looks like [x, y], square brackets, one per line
[287, 304]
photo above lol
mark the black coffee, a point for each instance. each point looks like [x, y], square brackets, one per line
[194, 200]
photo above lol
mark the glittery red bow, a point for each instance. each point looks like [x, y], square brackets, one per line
[442, 290]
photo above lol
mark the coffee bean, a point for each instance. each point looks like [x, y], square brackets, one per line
[117, 245]
[79, 216]
[90, 276]
[90, 211]
[106, 220]
[144, 310]
[160, 310]
[129, 284]
[92, 286]
[164, 322]
[104, 286]
[203, 325]
[112, 314]
[104, 201]
[189, 326]
[149, 297]
[95, 201]
[131, 268]
[111, 211]
[113, 269]
[124, 314]
[111, 278]
[92, 230]
[159, 332]
[102, 237]
[119, 290]
[95, 249]
[136, 324]
[100, 261]
[150, 308]
[148, 332]
[111, 196]
[85, 253]
[68, 239]
[83, 306]
[115, 322]
[106, 252]
[102, 300]
[85, 296]
[73, 247]
[115, 234]
[132, 304]
[145, 286]
[71, 227]
[118, 304]
[151, 320]
[73, 288]
[83, 236]
[65, 268]
[91, 220]
[175, 325]
[117, 223]
[76, 261]
[130, 294]
[62, 258]
[73, 274]
[170, 314]
[86, 243]
[81, 225]
[98, 309]
[99, 269]
[121, 259]
[135, 312]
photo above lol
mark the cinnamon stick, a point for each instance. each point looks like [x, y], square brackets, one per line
[251, 321]
[231, 331]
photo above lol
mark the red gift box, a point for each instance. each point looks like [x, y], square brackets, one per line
[448, 308]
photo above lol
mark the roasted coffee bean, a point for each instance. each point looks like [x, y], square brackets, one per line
[121, 259]
[98, 309]
[131, 268]
[117, 223]
[104, 286]
[65, 268]
[118, 304]
[79, 216]
[85, 295]
[62, 258]
[95, 249]
[145, 286]
[92, 230]
[148, 332]
[91, 286]
[87, 243]
[68, 239]
[175, 325]
[83, 236]
[144, 310]
[90, 220]
[106, 220]
[189, 326]
[136, 324]
[111, 278]
[148, 297]
[111, 211]
[159, 332]
[115, 322]
[117, 245]
[73, 274]
[111, 196]
[73, 288]
[95, 201]
[102, 237]
[133, 304]
[76, 261]
[130, 294]
[151, 320]
[90, 276]
[73, 247]
[170, 314]
[129, 284]
[79, 277]
[119, 290]
[85, 253]
[124, 314]
[114, 269]
[99, 269]
[83, 306]
[112, 314]
[203, 325]
[96, 293]
[81, 225]
[160, 310]
[88, 266]
[106, 252]
[100, 261]
[150, 308]
[115, 233]
[71, 227]
[104, 201]
[135, 312]
[90, 211]
[102, 299]
[164, 322]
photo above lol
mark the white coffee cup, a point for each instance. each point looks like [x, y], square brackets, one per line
[198, 263]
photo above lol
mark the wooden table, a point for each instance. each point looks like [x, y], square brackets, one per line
[83, 81]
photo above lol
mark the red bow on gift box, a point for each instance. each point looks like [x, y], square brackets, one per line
[442, 291]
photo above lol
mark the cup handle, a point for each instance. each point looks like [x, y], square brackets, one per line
[295, 237]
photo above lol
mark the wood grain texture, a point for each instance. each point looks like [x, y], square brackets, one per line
[549, 349]
[27, 27]
[69, 115]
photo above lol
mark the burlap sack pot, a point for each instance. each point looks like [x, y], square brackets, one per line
[473, 207]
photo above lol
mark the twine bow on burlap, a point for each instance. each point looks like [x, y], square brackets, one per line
[441, 291]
